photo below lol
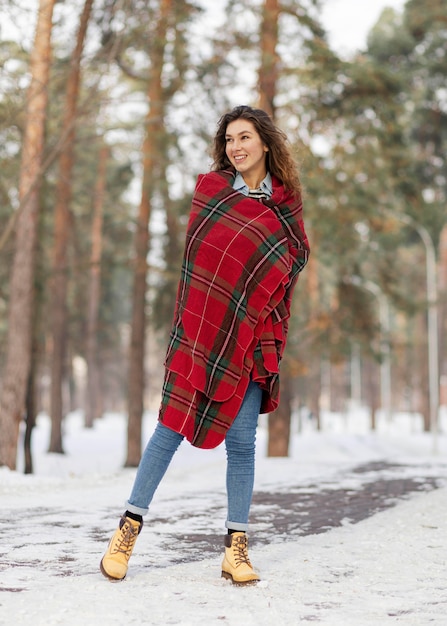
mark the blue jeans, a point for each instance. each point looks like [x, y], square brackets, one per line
[240, 443]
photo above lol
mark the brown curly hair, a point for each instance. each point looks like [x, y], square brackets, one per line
[279, 160]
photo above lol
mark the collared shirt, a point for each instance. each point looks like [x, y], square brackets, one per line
[265, 188]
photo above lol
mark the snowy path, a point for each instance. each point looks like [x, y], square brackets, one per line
[351, 531]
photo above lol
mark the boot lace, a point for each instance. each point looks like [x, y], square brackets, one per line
[126, 540]
[240, 548]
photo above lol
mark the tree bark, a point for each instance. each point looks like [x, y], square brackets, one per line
[314, 390]
[315, 360]
[443, 316]
[154, 128]
[61, 237]
[279, 420]
[31, 411]
[268, 71]
[422, 374]
[18, 351]
[37, 343]
[372, 390]
[93, 404]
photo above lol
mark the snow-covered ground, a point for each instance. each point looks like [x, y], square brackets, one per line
[388, 568]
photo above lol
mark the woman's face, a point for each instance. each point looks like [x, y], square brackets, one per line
[246, 151]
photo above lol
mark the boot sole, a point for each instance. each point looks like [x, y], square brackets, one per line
[112, 578]
[239, 583]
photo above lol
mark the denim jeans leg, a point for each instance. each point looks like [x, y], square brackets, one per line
[240, 443]
[153, 465]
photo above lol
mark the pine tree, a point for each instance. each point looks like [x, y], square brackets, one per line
[18, 357]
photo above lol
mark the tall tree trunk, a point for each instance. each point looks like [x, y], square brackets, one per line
[268, 72]
[279, 421]
[314, 389]
[61, 237]
[92, 404]
[422, 371]
[31, 411]
[36, 352]
[372, 390]
[442, 316]
[315, 360]
[18, 350]
[154, 127]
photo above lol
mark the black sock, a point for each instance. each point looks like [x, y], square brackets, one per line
[231, 531]
[134, 516]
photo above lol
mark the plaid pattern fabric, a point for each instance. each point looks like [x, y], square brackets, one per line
[242, 259]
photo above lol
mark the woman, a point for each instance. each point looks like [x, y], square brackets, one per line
[245, 245]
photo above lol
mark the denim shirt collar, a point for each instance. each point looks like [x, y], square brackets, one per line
[240, 184]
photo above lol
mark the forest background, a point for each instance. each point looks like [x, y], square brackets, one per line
[106, 118]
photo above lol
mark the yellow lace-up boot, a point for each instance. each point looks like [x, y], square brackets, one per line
[236, 565]
[114, 563]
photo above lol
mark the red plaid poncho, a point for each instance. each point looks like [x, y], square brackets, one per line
[241, 262]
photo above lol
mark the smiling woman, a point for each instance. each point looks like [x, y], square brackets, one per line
[246, 151]
[263, 138]
[245, 246]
